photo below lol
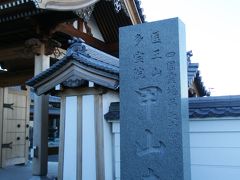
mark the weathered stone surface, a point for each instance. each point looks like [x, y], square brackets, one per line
[153, 102]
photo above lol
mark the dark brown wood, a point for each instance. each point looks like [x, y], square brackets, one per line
[80, 25]
[70, 30]
[11, 52]
[15, 78]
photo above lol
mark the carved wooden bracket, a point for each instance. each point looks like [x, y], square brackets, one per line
[33, 47]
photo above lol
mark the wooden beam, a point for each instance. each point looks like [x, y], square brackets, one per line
[92, 41]
[15, 78]
[12, 53]
[133, 12]
[80, 25]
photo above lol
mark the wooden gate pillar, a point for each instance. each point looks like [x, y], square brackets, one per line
[40, 125]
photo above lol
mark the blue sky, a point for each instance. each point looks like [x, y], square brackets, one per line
[213, 34]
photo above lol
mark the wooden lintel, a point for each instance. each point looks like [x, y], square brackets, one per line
[11, 53]
[133, 12]
[92, 41]
[15, 78]
[80, 91]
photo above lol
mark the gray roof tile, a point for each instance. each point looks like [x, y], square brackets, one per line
[201, 107]
[89, 56]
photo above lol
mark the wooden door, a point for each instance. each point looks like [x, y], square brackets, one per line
[15, 127]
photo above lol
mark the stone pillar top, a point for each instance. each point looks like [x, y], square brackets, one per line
[153, 102]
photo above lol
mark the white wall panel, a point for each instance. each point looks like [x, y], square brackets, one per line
[216, 156]
[70, 139]
[215, 173]
[215, 139]
[215, 149]
[88, 132]
[217, 124]
[108, 136]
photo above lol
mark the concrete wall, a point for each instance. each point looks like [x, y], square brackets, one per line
[214, 144]
[215, 148]
[109, 140]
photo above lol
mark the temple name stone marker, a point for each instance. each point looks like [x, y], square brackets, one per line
[153, 102]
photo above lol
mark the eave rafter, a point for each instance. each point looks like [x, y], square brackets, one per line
[68, 29]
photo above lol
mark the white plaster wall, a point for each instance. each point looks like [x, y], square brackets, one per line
[108, 136]
[215, 149]
[116, 144]
[94, 28]
[88, 142]
[70, 146]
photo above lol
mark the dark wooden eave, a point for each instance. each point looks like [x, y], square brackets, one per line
[69, 31]
[15, 78]
[22, 21]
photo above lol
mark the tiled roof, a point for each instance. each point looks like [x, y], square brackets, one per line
[15, 9]
[194, 76]
[87, 55]
[200, 107]
[140, 10]
[206, 107]
[192, 72]
[13, 3]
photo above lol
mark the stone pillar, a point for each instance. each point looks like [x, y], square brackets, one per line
[40, 125]
[154, 121]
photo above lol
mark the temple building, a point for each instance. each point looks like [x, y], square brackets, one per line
[80, 75]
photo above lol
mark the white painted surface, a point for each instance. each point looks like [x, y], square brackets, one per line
[109, 137]
[94, 28]
[70, 146]
[116, 131]
[41, 62]
[88, 132]
[214, 145]
[215, 149]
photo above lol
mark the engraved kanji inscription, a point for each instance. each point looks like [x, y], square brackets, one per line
[155, 37]
[150, 176]
[172, 102]
[150, 147]
[139, 73]
[171, 78]
[170, 54]
[138, 38]
[172, 90]
[156, 72]
[148, 96]
[156, 54]
[138, 57]
[171, 66]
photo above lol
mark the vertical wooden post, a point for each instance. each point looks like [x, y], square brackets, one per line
[40, 126]
[100, 168]
[79, 138]
[28, 100]
[1, 121]
[62, 135]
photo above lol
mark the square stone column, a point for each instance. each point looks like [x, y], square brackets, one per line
[154, 102]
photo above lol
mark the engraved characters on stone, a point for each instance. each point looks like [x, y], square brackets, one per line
[150, 147]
